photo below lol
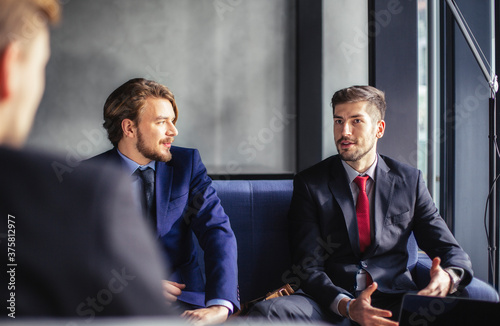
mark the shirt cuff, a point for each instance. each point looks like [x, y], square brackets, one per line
[456, 275]
[335, 305]
[221, 302]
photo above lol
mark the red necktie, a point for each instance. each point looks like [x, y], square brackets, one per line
[363, 213]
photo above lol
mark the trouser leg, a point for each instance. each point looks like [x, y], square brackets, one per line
[297, 307]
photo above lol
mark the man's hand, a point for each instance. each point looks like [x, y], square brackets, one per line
[206, 316]
[171, 290]
[440, 283]
[362, 311]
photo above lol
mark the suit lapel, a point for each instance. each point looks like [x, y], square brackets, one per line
[342, 193]
[163, 183]
[384, 187]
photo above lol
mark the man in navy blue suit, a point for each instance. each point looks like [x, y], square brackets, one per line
[365, 206]
[140, 118]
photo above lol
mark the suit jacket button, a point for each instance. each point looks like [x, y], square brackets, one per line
[364, 264]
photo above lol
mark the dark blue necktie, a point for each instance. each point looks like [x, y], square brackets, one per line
[147, 177]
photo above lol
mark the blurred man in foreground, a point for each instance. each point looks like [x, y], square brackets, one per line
[74, 248]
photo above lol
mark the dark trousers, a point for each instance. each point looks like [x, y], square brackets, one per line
[301, 307]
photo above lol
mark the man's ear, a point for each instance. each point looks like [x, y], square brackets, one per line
[380, 128]
[128, 128]
[8, 59]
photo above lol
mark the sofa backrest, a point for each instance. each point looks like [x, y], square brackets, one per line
[258, 212]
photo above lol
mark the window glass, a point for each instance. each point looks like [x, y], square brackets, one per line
[423, 131]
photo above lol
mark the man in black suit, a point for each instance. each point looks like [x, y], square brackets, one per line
[366, 206]
[75, 248]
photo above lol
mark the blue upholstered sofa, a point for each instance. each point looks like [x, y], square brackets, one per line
[258, 210]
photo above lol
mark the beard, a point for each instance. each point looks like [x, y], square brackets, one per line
[151, 153]
[357, 154]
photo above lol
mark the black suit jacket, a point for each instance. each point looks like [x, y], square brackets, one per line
[78, 246]
[324, 234]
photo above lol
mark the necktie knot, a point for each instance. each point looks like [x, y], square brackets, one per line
[147, 175]
[361, 182]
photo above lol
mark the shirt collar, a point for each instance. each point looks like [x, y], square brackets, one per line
[352, 174]
[131, 166]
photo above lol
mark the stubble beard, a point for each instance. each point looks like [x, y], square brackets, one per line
[355, 155]
[150, 153]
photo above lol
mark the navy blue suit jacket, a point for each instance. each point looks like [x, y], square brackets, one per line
[324, 234]
[187, 205]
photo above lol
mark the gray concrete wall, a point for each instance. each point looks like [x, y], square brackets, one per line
[230, 64]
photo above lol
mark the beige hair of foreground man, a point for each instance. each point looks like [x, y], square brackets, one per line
[21, 19]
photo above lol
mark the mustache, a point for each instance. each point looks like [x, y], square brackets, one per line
[167, 140]
[346, 139]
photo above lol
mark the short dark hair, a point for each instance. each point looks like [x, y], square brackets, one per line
[355, 94]
[128, 101]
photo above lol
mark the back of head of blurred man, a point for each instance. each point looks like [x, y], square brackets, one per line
[75, 247]
[24, 53]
